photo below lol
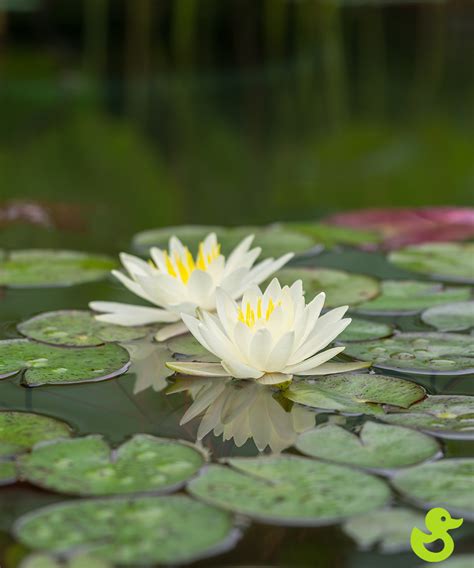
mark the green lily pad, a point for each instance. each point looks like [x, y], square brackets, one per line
[290, 490]
[186, 345]
[87, 466]
[77, 328]
[20, 431]
[332, 235]
[458, 561]
[407, 297]
[355, 393]
[37, 267]
[147, 530]
[450, 317]
[377, 446]
[446, 416]
[273, 240]
[341, 287]
[423, 353]
[390, 529]
[45, 364]
[48, 561]
[363, 330]
[7, 472]
[446, 261]
[446, 483]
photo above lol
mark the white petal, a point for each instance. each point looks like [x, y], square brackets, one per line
[133, 286]
[200, 286]
[332, 368]
[260, 348]
[194, 326]
[274, 378]
[130, 315]
[319, 340]
[280, 354]
[169, 331]
[197, 369]
[314, 361]
[234, 257]
[241, 371]
[176, 246]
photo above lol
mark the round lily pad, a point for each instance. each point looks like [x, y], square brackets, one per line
[290, 490]
[377, 447]
[7, 472]
[20, 431]
[341, 287]
[77, 328]
[407, 297]
[147, 530]
[273, 240]
[363, 330]
[332, 235]
[450, 317]
[39, 560]
[45, 364]
[446, 416]
[446, 261]
[37, 267]
[87, 466]
[388, 529]
[355, 393]
[423, 353]
[446, 483]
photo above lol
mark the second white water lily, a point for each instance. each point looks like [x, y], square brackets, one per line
[269, 336]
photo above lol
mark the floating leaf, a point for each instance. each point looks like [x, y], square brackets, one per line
[186, 345]
[273, 240]
[446, 261]
[423, 353]
[446, 416]
[147, 530]
[20, 431]
[446, 483]
[77, 328]
[354, 393]
[376, 446]
[459, 561]
[38, 267]
[407, 297]
[363, 330]
[341, 287]
[47, 561]
[450, 317]
[45, 364]
[331, 235]
[7, 472]
[290, 490]
[390, 529]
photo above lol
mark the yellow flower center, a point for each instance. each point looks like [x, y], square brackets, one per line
[183, 265]
[249, 316]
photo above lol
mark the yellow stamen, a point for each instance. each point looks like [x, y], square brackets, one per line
[270, 309]
[184, 264]
[169, 265]
[259, 308]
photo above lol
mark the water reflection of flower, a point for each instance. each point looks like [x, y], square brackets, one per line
[149, 365]
[241, 410]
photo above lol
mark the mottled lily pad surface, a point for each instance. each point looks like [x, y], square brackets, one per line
[148, 530]
[290, 490]
[355, 393]
[424, 353]
[332, 235]
[406, 297]
[388, 529]
[341, 287]
[7, 472]
[39, 560]
[376, 446]
[77, 328]
[45, 364]
[447, 261]
[20, 431]
[363, 330]
[446, 416]
[38, 267]
[450, 317]
[446, 483]
[88, 466]
[273, 240]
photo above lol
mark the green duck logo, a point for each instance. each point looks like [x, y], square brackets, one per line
[438, 521]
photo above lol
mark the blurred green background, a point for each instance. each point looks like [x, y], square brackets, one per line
[156, 112]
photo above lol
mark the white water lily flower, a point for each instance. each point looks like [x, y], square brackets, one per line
[269, 336]
[178, 283]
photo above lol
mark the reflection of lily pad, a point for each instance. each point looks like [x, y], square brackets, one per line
[447, 261]
[87, 466]
[20, 431]
[7, 472]
[45, 364]
[341, 287]
[37, 267]
[424, 353]
[273, 240]
[290, 490]
[446, 416]
[377, 446]
[354, 393]
[450, 317]
[407, 297]
[77, 328]
[147, 530]
[363, 330]
[390, 529]
[446, 483]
